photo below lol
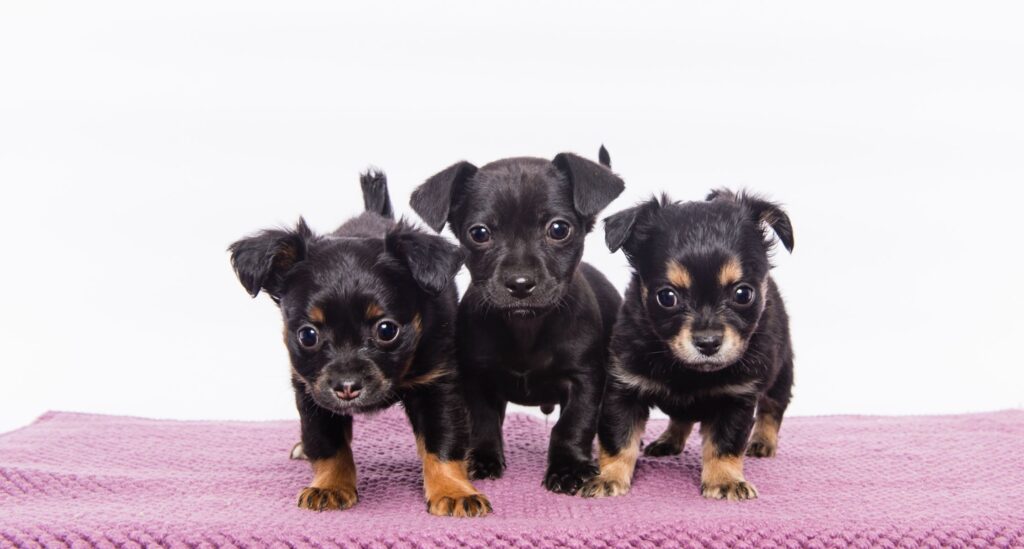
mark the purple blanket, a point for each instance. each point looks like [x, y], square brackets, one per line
[86, 480]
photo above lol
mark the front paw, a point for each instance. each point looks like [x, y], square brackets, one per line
[599, 487]
[734, 490]
[761, 448]
[464, 505]
[660, 448]
[483, 465]
[568, 478]
[323, 499]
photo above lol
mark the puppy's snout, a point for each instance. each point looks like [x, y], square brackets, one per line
[347, 389]
[708, 342]
[520, 286]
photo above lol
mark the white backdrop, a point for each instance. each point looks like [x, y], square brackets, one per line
[137, 140]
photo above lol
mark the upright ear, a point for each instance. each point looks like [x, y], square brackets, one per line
[604, 158]
[433, 199]
[432, 260]
[261, 261]
[620, 227]
[772, 215]
[593, 185]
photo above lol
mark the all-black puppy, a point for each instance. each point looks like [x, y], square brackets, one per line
[703, 335]
[369, 320]
[534, 324]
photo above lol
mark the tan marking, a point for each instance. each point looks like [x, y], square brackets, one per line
[682, 344]
[721, 476]
[447, 488]
[765, 440]
[426, 378]
[334, 483]
[316, 314]
[677, 274]
[731, 272]
[643, 294]
[616, 475]
[675, 435]
[373, 311]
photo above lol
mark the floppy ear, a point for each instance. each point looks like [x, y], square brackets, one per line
[433, 199]
[593, 185]
[432, 260]
[772, 215]
[618, 227]
[261, 261]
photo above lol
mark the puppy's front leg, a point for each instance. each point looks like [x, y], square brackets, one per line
[487, 414]
[327, 441]
[623, 416]
[724, 442]
[438, 417]
[570, 454]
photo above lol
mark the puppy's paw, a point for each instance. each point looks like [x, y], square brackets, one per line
[459, 505]
[761, 448]
[599, 487]
[325, 499]
[483, 465]
[734, 490]
[568, 478]
[298, 452]
[660, 448]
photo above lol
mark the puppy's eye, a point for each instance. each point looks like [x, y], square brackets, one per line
[308, 336]
[668, 298]
[386, 331]
[559, 230]
[479, 234]
[743, 294]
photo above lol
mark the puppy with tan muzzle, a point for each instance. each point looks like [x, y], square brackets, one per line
[703, 335]
[369, 321]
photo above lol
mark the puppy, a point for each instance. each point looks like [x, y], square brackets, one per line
[703, 335]
[369, 320]
[534, 324]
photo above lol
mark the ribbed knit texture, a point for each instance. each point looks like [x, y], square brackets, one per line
[76, 480]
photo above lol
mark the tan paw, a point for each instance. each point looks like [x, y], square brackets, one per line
[324, 499]
[599, 487]
[761, 448]
[733, 490]
[466, 505]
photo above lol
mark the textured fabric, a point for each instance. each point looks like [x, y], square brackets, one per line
[86, 480]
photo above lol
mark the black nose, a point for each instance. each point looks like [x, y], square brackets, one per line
[708, 343]
[520, 286]
[348, 390]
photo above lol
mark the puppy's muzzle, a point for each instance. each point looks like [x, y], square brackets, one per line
[520, 286]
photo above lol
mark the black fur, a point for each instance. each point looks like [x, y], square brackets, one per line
[548, 345]
[370, 269]
[647, 369]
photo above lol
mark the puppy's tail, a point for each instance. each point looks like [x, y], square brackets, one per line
[375, 193]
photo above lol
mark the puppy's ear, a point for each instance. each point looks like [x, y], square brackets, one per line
[604, 158]
[261, 261]
[770, 214]
[619, 228]
[593, 185]
[433, 199]
[432, 260]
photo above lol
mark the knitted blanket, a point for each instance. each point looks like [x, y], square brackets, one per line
[75, 480]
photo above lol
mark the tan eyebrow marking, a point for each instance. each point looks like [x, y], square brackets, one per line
[316, 314]
[373, 311]
[677, 274]
[731, 273]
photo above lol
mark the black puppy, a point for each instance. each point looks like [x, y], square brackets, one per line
[369, 320]
[534, 324]
[703, 335]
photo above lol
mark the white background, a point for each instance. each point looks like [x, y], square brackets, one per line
[137, 140]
